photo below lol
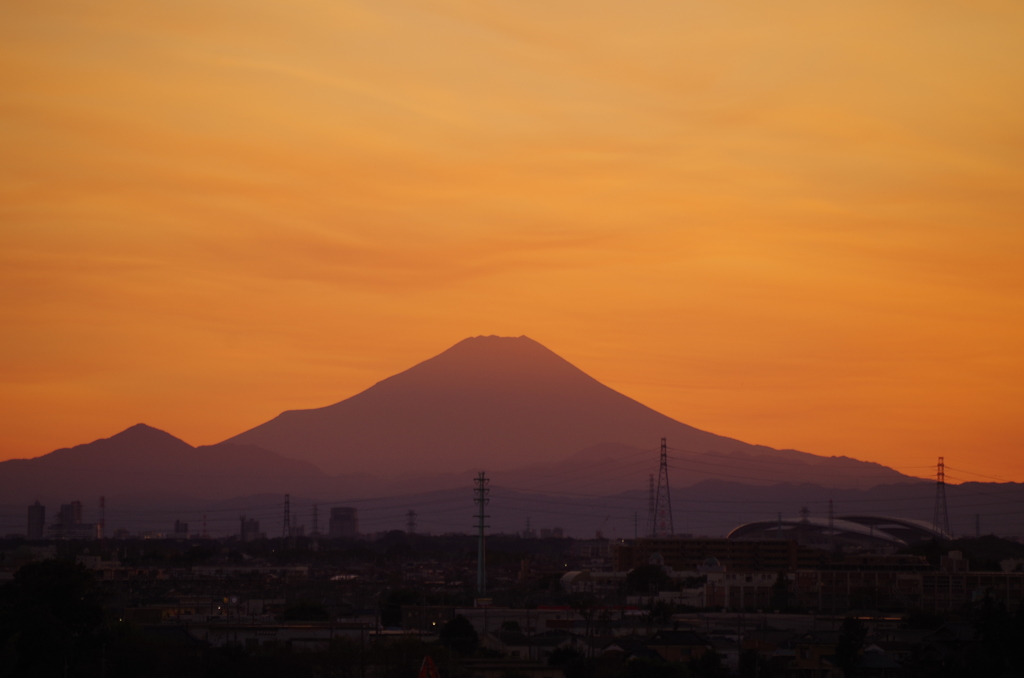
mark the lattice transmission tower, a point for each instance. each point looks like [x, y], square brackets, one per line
[664, 526]
[940, 521]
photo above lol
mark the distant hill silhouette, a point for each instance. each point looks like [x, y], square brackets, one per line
[144, 462]
[502, 403]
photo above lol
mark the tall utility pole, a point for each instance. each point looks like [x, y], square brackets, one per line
[940, 521]
[481, 499]
[652, 517]
[663, 499]
[103, 517]
[287, 515]
[410, 522]
[831, 529]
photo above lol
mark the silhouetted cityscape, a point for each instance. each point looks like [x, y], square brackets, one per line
[864, 594]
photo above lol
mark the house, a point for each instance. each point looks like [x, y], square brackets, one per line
[876, 663]
[729, 651]
[627, 648]
[814, 654]
[679, 646]
[510, 643]
[543, 644]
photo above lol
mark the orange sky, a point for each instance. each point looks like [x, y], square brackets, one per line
[798, 224]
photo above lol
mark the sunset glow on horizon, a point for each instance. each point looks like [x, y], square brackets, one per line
[795, 224]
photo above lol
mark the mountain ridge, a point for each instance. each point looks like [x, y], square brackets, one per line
[487, 403]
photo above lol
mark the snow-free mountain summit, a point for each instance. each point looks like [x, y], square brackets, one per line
[487, 402]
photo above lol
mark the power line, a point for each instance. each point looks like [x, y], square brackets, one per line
[1000, 480]
[787, 462]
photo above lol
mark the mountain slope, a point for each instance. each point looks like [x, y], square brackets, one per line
[493, 403]
[612, 468]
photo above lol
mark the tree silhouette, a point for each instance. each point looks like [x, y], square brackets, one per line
[459, 635]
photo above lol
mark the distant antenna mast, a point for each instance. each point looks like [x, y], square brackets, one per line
[663, 499]
[481, 499]
[316, 524]
[941, 519]
[652, 517]
[287, 514]
[410, 522]
[103, 517]
[206, 535]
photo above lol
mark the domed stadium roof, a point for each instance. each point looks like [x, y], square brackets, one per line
[855, 530]
[909, 530]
